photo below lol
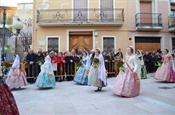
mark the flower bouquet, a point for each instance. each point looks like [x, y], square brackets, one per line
[96, 62]
[8, 64]
[40, 63]
[158, 63]
[78, 65]
[120, 66]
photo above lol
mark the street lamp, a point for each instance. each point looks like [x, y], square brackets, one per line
[3, 30]
[18, 26]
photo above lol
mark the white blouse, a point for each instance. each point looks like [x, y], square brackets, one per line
[133, 63]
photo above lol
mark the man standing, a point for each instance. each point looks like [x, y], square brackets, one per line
[119, 54]
[31, 59]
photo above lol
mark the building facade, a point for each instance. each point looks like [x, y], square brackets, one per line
[63, 25]
[152, 24]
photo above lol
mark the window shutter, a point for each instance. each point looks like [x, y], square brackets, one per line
[106, 10]
[80, 10]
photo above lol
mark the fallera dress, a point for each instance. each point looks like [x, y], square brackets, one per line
[165, 72]
[81, 77]
[7, 102]
[16, 77]
[143, 72]
[97, 74]
[126, 83]
[46, 77]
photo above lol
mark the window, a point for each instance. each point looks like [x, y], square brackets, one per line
[173, 44]
[53, 44]
[173, 9]
[106, 10]
[80, 10]
[108, 43]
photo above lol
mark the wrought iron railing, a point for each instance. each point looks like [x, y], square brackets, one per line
[171, 21]
[148, 19]
[83, 16]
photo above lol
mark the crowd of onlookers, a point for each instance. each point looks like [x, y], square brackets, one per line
[32, 58]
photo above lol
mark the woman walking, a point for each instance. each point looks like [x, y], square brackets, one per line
[127, 83]
[97, 74]
[81, 76]
[165, 72]
[16, 77]
[46, 78]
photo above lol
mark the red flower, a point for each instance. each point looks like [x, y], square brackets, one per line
[8, 64]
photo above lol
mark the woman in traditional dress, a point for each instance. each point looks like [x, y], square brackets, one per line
[46, 78]
[7, 102]
[165, 71]
[127, 83]
[143, 73]
[97, 74]
[16, 77]
[81, 76]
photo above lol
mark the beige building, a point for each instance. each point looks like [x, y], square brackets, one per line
[63, 25]
[152, 24]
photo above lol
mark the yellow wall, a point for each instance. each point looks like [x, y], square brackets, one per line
[41, 33]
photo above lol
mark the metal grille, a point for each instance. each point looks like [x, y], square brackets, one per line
[53, 44]
[108, 43]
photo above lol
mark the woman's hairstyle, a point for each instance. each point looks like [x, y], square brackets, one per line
[85, 52]
[98, 51]
[167, 50]
[132, 49]
[92, 57]
[14, 55]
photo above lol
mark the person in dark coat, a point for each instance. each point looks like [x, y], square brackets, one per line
[147, 59]
[69, 66]
[158, 59]
[31, 59]
[119, 53]
[152, 61]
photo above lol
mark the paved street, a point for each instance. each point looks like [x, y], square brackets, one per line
[68, 98]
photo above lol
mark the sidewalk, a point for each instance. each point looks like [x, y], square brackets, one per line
[68, 98]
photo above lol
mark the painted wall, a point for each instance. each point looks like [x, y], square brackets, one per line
[159, 6]
[41, 33]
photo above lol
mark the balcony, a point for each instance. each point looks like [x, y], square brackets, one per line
[148, 21]
[80, 17]
[171, 23]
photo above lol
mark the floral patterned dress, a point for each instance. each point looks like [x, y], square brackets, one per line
[7, 102]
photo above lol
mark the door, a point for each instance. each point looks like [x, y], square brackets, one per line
[145, 13]
[80, 41]
[147, 43]
[147, 46]
[80, 11]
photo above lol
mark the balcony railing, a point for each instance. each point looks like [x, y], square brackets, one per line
[63, 17]
[171, 23]
[148, 21]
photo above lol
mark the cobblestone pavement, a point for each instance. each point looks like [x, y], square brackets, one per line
[68, 98]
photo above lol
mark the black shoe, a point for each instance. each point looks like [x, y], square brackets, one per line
[99, 89]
